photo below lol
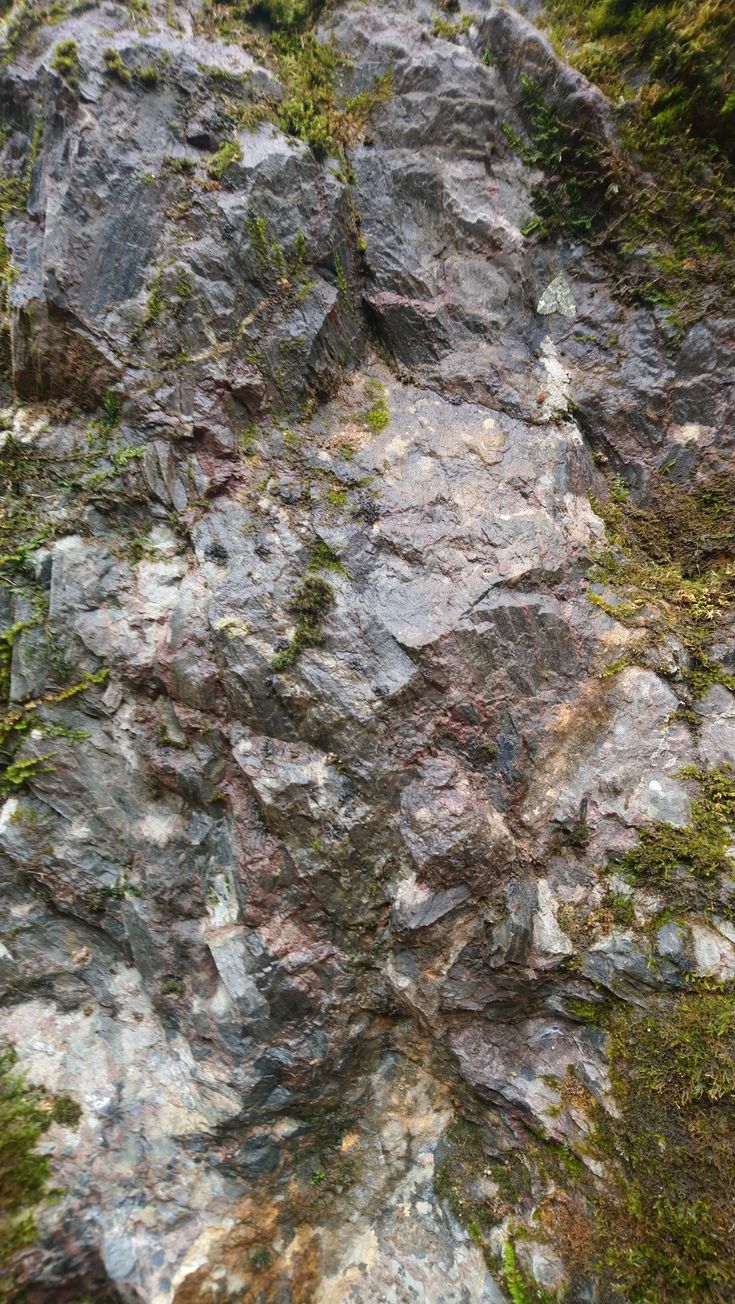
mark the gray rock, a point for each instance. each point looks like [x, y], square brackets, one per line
[276, 927]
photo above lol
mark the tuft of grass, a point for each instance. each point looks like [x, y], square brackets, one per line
[450, 30]
[65, 62]
[116, 67]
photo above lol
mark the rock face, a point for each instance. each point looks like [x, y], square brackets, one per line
[315, 762]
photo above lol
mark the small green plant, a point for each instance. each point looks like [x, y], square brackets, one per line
[154, 308]
[342, 284]
[179, 165]
[16, 773]
[228, 153]
[172, 986]
[112, 410]
[448, 30]
[66, 62]
[317, 1177]
[511, 1273]
[116, 67]
[377, 416]
[183, 285]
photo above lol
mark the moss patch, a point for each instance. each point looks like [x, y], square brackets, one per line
[687, 865]
[228, 153]
[672, 564]
[25, 1114]
[377, 416]
[664, 1227]
[665, 191]
[314, 109]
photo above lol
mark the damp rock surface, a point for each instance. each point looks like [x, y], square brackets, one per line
[329, 744]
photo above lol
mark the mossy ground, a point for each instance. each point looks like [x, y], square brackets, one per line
[666, 192]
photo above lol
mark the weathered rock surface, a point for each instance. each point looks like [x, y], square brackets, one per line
[274, 929]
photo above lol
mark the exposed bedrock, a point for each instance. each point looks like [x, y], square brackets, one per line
[314, 874]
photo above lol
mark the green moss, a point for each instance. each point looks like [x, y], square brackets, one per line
[325, 558]
[228, 153]
[311, 602]
[14, 192]
[310, 111]
[670, 563]
[664, 1226]
[25, 1114]
[66, 62]
[284, 15]
[687, 865]
[66, 1111]
[621, 908]
[377, 416]
[154, 308]
[464, 1169]
[667, 192]
[260, 1257]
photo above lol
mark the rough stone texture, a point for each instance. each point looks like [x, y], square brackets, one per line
[266, 926]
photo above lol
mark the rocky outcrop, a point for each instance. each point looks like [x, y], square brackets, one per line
[316, 749]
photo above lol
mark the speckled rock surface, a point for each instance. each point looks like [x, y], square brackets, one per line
[277, 928]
